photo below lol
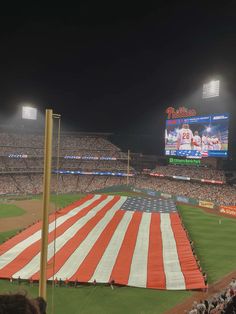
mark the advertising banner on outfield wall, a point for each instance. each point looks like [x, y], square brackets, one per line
[229, 210]
[182, 199]
[187, 200]
[146, 191]
[166, 195]
[206, 204]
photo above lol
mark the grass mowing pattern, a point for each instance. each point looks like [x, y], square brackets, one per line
[61, 200]
[103, 300]
[10, 210]
[65, 199]
[214, 240]
[7, 234]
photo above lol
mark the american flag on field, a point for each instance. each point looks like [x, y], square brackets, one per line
[134, 241]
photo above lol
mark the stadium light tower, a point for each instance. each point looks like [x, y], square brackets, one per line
[29, 113]
[211, 89]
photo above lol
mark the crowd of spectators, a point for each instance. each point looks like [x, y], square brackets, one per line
[76, 144]
[223, 302]
[33, 184]
[222, 194]
[7, 185]
[24, 175]
[191, 172]
[24, 153]
[14, 165]
[103, 165]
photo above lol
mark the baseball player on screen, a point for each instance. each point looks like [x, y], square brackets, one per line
[185, 138]
[197, 142]
[204, 143]
[216, 143]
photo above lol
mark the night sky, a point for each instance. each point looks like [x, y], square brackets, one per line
[115, 67]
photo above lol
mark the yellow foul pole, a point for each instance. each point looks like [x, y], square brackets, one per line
[46, 200]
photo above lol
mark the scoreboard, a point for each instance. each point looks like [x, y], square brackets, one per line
[197, 136]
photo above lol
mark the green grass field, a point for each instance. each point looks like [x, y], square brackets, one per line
[65, 199]
[10, 210]
[214, 239]
[104, 300]
[7, 234]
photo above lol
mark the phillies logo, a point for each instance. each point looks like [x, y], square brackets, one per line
[182, 112]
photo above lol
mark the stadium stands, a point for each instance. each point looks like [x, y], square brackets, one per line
[191, 172]
[222, 302]
[219, 194]
[21, 168]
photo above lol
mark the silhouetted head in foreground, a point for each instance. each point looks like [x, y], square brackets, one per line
[41, 304]
[18, 304]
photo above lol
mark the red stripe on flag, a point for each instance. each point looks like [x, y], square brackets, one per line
[121, 270]
[192, 275]
[26, 256]
[89, 265]
[155, 266]
[36, 227]
[71, 245]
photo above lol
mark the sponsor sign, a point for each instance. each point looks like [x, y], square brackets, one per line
[89, 157]
[156, 174]
[152, 193]
[136, 190]
[188, 162]
[229, 210]
[101, 173]
[182, 112]
[181, 178]
[182, 199]
[206, 204]
[212, 181]
[18, 156]
[166, 195]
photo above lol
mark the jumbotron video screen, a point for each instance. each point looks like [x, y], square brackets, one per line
[199, 136]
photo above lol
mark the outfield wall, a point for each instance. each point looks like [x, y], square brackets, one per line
[181, 199]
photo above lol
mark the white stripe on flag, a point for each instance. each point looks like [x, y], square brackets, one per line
[138, 271]
[11, 254]
[174, 276]
[77, 257]
[105, 266]
[33, 266]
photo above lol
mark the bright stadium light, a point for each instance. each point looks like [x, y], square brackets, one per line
[29, 113]
[211, 89]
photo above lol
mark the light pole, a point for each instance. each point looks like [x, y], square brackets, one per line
[211, 89]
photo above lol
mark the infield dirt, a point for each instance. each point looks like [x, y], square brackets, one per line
[33, 213]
